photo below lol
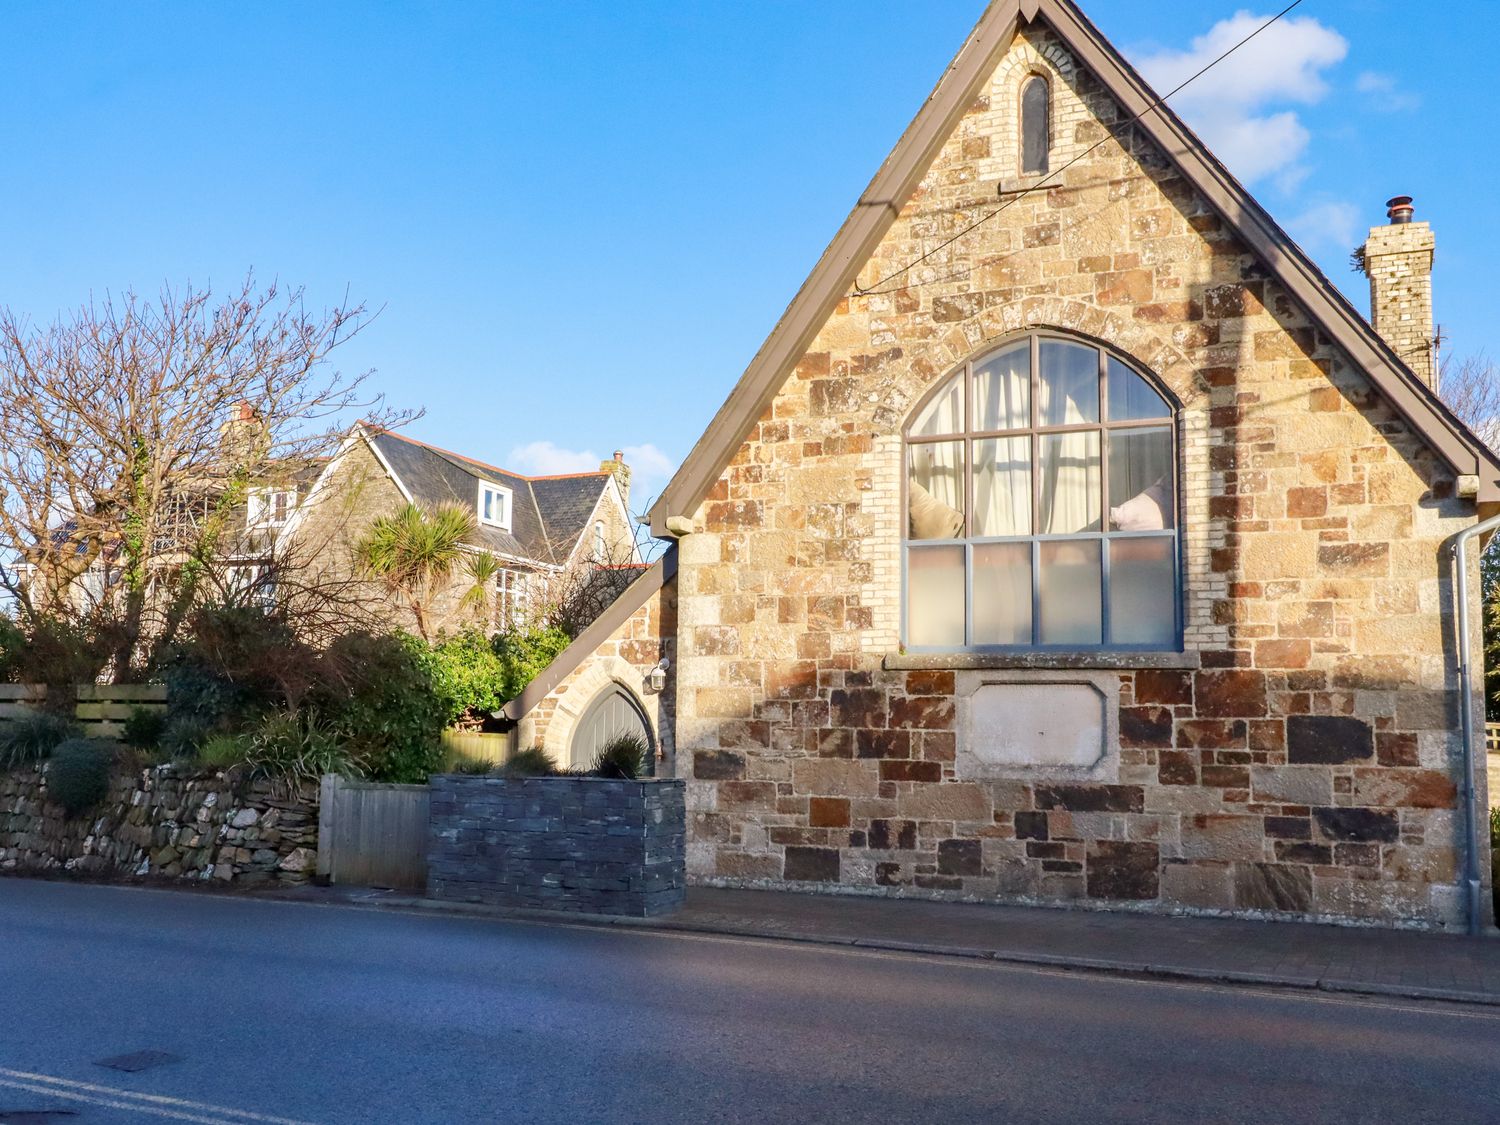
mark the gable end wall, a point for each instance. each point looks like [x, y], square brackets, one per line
[1298, 760]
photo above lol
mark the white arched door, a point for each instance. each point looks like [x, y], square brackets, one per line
[612, 713]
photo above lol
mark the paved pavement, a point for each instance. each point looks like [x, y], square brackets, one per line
[282, 1012]
[1328, 958]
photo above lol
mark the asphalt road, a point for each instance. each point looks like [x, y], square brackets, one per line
[280, 1012]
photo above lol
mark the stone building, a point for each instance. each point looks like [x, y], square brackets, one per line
[1071, 539]
[544, 532]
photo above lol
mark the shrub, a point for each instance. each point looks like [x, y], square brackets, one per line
[523, 656]
[531, 762]
[289, 748]
[33, 737]
[236, 664]
[624, 758]
[78, 775]
[144, 727]
[474, 767]
[222, 751]
[12, 644]
[377, 699]
[467, 675]
[1495, 827]
[182, 738]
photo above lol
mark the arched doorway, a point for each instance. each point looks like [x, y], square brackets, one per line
[614, 712]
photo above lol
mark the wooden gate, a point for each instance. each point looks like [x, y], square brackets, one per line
[373, 835]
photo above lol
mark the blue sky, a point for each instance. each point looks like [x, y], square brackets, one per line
[581, 219]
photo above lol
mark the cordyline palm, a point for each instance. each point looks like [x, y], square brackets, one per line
[415, 552]
[481, 570]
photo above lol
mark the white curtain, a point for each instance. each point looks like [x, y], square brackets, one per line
[936, 486]
[1002, 487]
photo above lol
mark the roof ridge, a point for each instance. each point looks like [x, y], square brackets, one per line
[380, 430]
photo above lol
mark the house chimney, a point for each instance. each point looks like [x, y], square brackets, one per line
[1398, 260]
[244, 437]
[621, 473]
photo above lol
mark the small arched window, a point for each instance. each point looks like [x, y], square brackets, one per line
[601, 547]
[1036, 126]
[1041, 505]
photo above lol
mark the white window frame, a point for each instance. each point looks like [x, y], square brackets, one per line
[261, 507]
[486, 489]
[512, 598]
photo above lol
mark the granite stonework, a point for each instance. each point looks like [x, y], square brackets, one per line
[590, 845]
[1297, 758]
[163, 822]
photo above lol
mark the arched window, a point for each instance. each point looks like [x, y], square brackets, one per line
[1036, 126]
[1041, 505]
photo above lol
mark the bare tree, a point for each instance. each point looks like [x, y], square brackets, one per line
[1471, 388]
[136, 427]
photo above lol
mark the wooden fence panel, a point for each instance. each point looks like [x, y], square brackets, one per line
[373, 835]
[101, 709]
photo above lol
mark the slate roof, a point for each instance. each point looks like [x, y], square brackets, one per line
[548, 513]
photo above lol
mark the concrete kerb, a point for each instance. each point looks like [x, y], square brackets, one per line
[378, 900]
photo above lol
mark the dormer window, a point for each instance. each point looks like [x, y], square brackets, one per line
[494, 506]
[1036, 126]
[269, 507]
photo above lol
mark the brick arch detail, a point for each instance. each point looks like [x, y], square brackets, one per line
[600, 675]
[1143, 343]
[1048, 59]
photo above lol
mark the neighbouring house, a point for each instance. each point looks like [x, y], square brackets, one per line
[1071, 539]
[569, 536]
[543, 531]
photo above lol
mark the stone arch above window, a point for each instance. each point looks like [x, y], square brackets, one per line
[1041, 505]
[1036, 125]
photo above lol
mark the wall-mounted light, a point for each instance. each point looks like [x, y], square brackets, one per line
[656, 679]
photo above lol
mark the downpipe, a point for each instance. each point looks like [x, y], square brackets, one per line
[1477, 907]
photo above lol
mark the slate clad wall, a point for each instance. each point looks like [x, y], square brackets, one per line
[590, 845]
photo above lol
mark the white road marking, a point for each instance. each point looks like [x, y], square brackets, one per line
[154, 1104]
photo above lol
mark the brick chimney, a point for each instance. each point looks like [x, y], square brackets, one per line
[1398, 260]
[621, 471]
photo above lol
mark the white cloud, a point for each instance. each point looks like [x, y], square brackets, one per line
[542, 459]
[1385, 95]
[1233, 106]
[1328, 226]
[650, 468]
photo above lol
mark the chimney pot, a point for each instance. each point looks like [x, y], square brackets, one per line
[1400, 210]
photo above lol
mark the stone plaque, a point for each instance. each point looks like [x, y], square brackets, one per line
[1024, 726]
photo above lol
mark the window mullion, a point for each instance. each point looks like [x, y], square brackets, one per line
[1104, 453]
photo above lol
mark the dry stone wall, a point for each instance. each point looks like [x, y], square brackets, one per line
[163, 822]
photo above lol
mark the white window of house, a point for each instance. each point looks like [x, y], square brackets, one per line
[1041, 503]
[512, 598]
[601, 548]
[270, 507]
[494, 505]
[252, 584]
